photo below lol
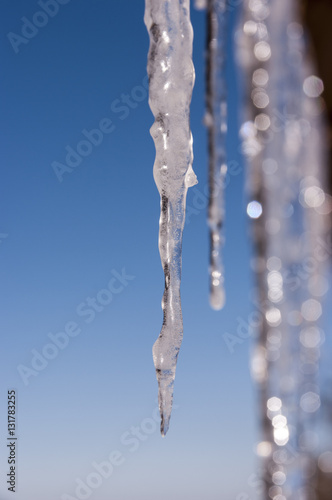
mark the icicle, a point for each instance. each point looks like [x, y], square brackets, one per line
[171, 80]
[216, 122]
[283, 141]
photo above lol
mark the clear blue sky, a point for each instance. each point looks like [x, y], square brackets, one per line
[66, 241]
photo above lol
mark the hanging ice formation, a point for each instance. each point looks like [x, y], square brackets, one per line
[283, 140]
[171, 80]
[216, 122]
[200, 4]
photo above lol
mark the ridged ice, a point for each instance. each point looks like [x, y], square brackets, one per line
[171, 80]
[216, 122]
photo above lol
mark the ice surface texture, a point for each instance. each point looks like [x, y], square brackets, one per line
[171, 80]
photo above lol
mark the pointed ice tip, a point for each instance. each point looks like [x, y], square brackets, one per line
[166, 384]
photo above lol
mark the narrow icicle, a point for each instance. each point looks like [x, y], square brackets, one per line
[216, 121]
[171, 80]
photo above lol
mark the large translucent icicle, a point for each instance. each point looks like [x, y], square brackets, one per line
[171, 80]
[216, 121]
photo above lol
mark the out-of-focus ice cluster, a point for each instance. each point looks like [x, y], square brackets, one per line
[216, 122]
[283, 139]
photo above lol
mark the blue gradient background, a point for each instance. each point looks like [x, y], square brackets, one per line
[64, 240]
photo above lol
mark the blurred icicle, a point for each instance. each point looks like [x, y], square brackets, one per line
[171, 80]
[216, 122]
[283, 140]
[201, 4]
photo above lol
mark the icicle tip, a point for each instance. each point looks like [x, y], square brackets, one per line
[165, 396]
[164, 425]
[217, 297]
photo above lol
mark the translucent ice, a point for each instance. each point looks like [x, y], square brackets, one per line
[283, 139]
[171, 80]
[216, 121]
